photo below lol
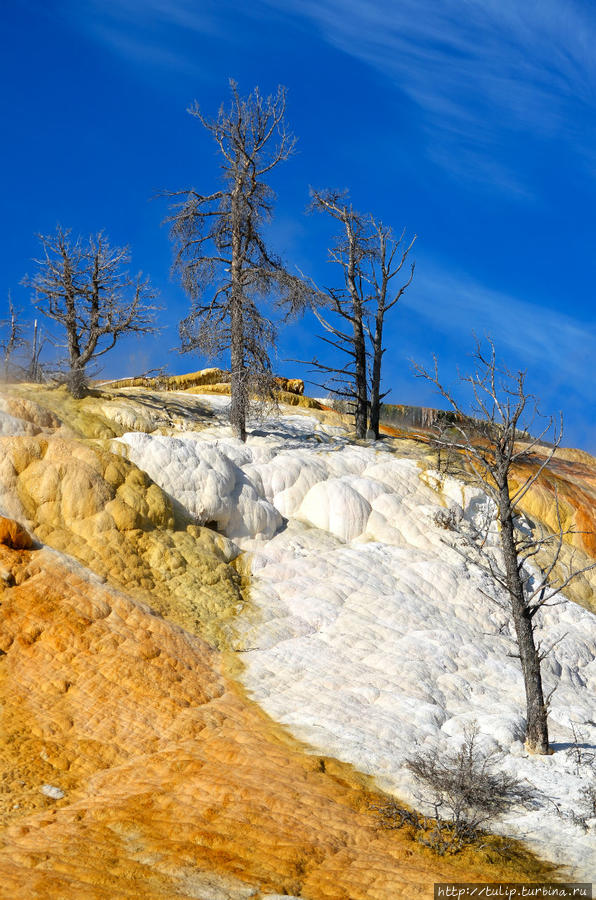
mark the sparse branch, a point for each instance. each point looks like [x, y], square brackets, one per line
[354, 252]
[13, 339]
[87, 290]
[220, 253]
[489, 443]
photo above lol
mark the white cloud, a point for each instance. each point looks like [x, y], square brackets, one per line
[525, 58]
[148, 31]
[479, 70]
[557, 349]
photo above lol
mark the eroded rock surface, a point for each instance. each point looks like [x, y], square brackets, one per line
[173, 783]
[132, 761]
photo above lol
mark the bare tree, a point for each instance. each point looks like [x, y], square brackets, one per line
[21, 356]
[386, 263]
[34, 368]
[86, 288]
[370, 259]
[352, 251]
[14, 339]
[494, 450]
[219, 244]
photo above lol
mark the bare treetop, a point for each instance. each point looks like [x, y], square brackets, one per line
[219, 249]
[86, 288]
[354, 241]
[496, 435]
[248, 129]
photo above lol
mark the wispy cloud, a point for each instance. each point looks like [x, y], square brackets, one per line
[556, 348]
[148, 31]
[187, 14]
[478, 70]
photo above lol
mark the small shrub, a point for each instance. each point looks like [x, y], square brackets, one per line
[339, 404]
[464, 794]
[583, 756]
[581, 753]
[448, 519]
[588, 795]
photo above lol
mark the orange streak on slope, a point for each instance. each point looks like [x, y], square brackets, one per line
[173, 781]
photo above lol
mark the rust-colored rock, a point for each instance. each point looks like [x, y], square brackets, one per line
[14, 535]
[291, 385]
[174, 784]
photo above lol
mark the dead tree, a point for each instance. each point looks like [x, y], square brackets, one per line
[219, 244]
[370, 259]
[352, 252]
[14, 339]
[492, 448]
[386, 263]
[34, 368]
[86, 288]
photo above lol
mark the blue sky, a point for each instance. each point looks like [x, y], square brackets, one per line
[469, 122]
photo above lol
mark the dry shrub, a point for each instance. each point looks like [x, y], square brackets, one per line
[463, 794]
[449, 519]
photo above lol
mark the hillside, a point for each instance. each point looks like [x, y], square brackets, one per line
[215, 656]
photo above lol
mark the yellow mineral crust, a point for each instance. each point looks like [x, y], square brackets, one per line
[104, 413]
[132, 767]
[290, 398]
[570, 480]
[30, 412]
[212, 377]
[83, 500]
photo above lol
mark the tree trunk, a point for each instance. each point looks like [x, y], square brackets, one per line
[375, 388]
[361, 415]
[536, 717]
[34, 366]
[238, 386]
[351, 273]
[361, 403]
[77, 382]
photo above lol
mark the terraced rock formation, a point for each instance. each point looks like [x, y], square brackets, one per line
[134, 762]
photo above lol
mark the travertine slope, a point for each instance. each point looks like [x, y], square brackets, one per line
[173, 783]
[133, 763]
[369, 632]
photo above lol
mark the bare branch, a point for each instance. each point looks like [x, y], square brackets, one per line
[87, 290]
[490, 447]
[220, 254]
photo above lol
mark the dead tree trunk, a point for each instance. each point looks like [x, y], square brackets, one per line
[348, 303]
[536, 712]
[239, 399]
[375, 383]
[357, 304]
[384, 268]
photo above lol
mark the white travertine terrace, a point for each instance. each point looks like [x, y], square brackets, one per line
[367, 635]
